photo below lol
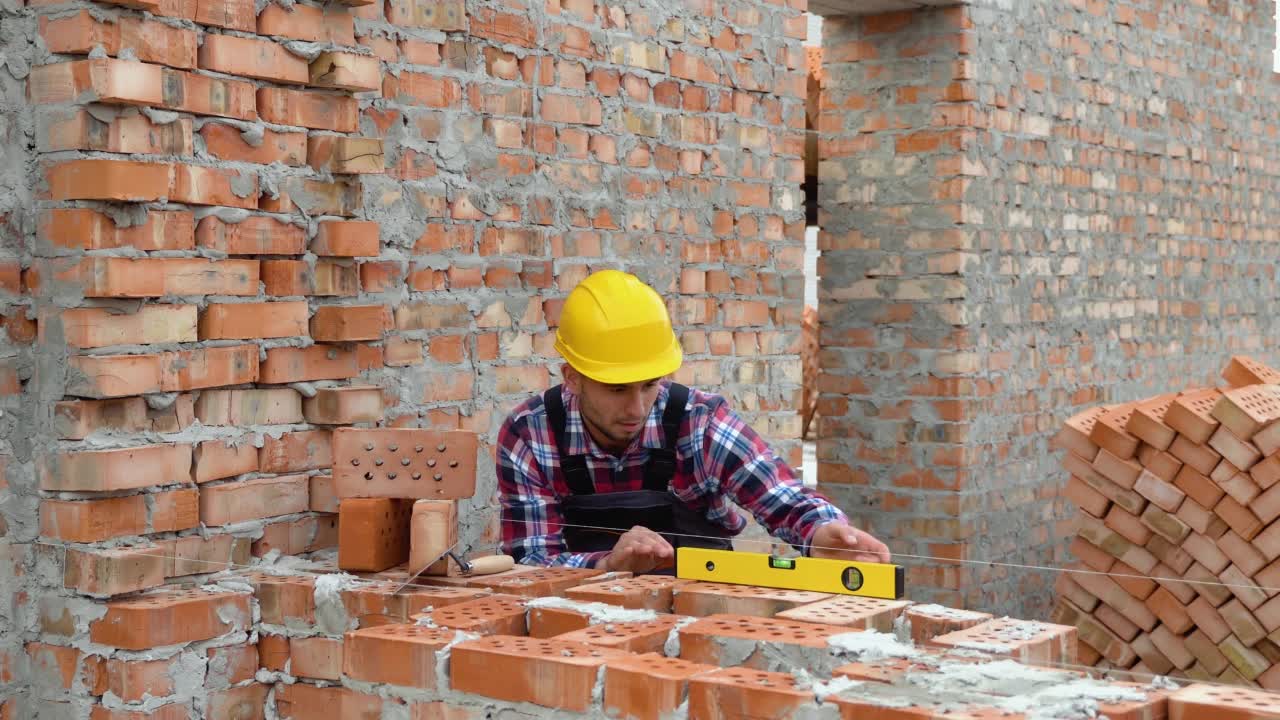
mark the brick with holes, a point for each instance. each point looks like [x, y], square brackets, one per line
[538, 582]
[643, 592]
[1191, 414]
[373, 533]
[404, 463]
[851, 611]
[171, 617]
[740, 692]
[927, 621]
[395, 654]
[1025, 641]
[709, 598]
[646, 636]
[495, 614]
[1201, 701]
[378, 603]
[648, 686]
[547, 672]
[759, 643]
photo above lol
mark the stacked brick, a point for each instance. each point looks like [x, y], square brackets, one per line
[1178, 539]
[255, 645]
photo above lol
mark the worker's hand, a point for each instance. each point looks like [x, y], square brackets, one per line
[638, 550]
[842, 541]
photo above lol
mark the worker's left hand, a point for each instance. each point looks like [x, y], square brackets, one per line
[842, 541]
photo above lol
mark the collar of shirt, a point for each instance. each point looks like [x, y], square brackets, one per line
[580, 441]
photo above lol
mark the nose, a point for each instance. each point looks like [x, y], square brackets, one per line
[635, 404]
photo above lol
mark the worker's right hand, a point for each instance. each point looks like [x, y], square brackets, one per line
[639, 550]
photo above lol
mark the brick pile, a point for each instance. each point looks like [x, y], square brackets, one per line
[310, 642]
[1178, 535]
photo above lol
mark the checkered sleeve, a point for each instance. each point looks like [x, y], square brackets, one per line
[530, 508]
[745, 467]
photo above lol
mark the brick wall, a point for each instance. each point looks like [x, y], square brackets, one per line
[1029, 209]
[229, 229]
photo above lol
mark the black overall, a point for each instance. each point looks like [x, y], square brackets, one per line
[654, 507]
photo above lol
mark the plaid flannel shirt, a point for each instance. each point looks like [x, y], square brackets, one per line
[720, 459]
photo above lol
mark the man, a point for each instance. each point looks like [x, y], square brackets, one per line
[617, 467]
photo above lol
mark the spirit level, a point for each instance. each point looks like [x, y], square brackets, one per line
[844, 577]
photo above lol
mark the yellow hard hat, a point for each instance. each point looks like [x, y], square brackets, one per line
[615, 329]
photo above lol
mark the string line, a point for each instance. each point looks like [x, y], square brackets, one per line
[1270, 591]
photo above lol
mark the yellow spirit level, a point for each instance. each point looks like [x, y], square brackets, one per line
[844, 577]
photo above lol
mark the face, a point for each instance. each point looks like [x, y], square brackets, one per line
[613, 414]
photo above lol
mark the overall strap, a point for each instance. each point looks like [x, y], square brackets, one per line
[574, 467]
[662, 462]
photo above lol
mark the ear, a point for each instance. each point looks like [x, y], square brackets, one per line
[572, 379]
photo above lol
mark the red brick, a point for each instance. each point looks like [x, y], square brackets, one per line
[302, 108]
[373, 533]
[345, 71]
[518, 669]
[155, 277]
[496, 614]
[1191, 415]
[315, 657]
[638, 637]
[172, 510]
[231, 664]
[341, 197]
[343, 406]
[705, 598]
[299, 701]
[128, 132]
[346, 323]
[449, 454]
[216, 459]
[243, 500]
[1024, 641]
[255, 235]
[256, 58]
[85, 229]
[647, 686]
[131, 181]
[646, 592]
[295, 451]
[130, 83]
[93, 520]
[307, 23]
[402, 655]
[250, 406]
[102, 327]
[339, 154]
[245, 701]
[117, 469]
[446, 15]
[317, 362]
[744, 692]
[150, 41]
[227, 143]
[1201, 700]
[240, 321]
[133, 680]
[171, 617]
[284, 278]
[193, 554]
[114, 571]
[349, 238]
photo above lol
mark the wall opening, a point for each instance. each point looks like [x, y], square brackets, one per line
[809, 353]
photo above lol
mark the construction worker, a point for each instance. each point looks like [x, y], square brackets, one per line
[618, 466]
